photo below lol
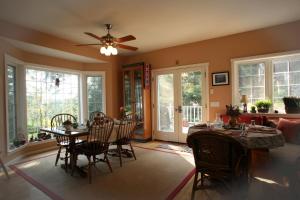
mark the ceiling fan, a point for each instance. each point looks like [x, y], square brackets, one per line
[109, 43]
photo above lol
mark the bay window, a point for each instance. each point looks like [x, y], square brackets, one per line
[45, 99]
[34, 94]
[269, 77]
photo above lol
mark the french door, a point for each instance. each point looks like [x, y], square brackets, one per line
[179, 102]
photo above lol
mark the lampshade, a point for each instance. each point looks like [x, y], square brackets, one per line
[244, 99]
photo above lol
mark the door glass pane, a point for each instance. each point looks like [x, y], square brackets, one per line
[95, 94]
[138, 94]
[127, 92]
[165, 103]
[191, 98]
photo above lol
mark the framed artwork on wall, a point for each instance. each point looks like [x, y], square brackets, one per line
[220, 78]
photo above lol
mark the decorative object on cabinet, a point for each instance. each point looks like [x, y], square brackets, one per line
[136, 97]
[220, 78]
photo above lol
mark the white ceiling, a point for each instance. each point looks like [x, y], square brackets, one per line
[155, 23]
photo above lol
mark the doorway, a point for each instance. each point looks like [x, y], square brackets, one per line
[179, 101]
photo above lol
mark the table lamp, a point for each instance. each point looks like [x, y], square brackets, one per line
[244, 100]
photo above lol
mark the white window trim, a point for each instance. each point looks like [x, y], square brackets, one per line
[84, 101]
[21, 67]
[268, 59]
[20, 100]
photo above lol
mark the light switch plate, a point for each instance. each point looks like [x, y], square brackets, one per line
[215, 104]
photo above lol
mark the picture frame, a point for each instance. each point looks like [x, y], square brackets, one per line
[220, 78]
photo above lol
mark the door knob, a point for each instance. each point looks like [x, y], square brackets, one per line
[179, 109]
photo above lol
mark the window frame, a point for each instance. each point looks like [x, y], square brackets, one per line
[21, 118]
[269, 60]
[85, 75]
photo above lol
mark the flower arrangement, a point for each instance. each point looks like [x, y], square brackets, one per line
[232, 111]
[67, 122]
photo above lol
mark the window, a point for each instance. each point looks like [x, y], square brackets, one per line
[45, 99]
[252, 81]
[286, 81]
[11, 105]
[95, 93]
[267, 78]
[33, 98]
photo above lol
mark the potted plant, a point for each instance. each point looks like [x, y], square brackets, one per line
[253, 109]
[263, 106]
[292, 104]
[233, 112]
[67, 124]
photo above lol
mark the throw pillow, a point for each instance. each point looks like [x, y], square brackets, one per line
[290, 130]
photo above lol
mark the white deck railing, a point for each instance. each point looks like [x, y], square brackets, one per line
[192, 114]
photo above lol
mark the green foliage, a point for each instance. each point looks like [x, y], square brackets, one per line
[263, 104]
[191, 88]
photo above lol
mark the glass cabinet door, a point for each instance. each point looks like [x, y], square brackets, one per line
[138, 103]
[127, 92]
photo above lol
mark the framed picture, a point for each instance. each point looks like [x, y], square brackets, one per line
[220, 78]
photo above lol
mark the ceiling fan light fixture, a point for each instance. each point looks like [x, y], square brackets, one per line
[102, 50]
[114, 51]
[107, 53]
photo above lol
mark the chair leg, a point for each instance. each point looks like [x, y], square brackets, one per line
[4, 168]
[120, 154]
[107, 161]
[74, 163]
[132, 150]
[195, 185]
[202, 178]
[89, 170]
[57, 156]
[66, 160]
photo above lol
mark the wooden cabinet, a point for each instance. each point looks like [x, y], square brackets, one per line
[136, 97]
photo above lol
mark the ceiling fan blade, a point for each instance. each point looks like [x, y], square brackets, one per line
[93, 35]
[125, 38]
[127, 47]
[79, 45]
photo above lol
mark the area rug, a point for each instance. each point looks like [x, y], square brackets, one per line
[154, 175]
[175, 147]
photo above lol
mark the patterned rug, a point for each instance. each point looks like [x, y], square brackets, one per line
[176, 147]
[132, 181]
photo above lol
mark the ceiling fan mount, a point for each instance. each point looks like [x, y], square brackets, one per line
[109, 43]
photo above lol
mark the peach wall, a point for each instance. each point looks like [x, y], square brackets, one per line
[111, 69]
[218, 53]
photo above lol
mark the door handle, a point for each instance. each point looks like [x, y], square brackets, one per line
[179, 109]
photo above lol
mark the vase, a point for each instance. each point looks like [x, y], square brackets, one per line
[68, 127]
[233, 121]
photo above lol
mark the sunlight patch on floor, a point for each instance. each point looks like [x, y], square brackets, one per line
[30, 164]
[286, 184]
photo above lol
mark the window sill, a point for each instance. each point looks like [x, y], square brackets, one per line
[274, 115]
[29, 144]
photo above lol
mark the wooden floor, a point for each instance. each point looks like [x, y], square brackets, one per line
[276, 176]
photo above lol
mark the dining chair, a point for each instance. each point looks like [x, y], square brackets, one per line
[125, 130]
[216, 156]
[62, 141]
[96, 114]
[3, 167]
[97, 143]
